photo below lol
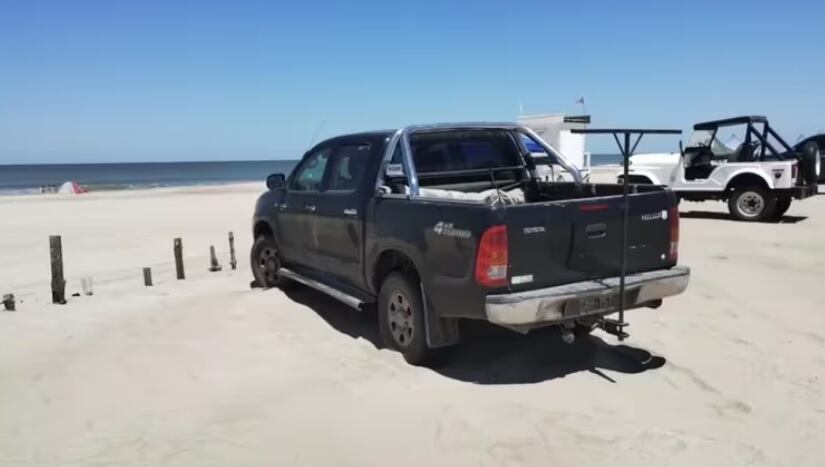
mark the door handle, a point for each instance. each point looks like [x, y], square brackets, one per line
[310, 208]
[596, 230]
[350, 212]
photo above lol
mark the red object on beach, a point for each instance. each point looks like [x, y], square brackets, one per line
[71, 188]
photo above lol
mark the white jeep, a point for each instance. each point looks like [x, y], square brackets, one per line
[754, 170]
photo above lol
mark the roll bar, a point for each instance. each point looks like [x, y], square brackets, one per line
[402, 137]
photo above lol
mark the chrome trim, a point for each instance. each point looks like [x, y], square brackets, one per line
[334, 293]
[407, 160]
[577, 176]
[388, 152]
[402, 136]
[546, 305]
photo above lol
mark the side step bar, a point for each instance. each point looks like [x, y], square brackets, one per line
[334, 293]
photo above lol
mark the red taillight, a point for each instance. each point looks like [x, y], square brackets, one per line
[491, 261]
[673, 217]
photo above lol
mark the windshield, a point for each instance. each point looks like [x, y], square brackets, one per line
[700, 139]
[708, 138]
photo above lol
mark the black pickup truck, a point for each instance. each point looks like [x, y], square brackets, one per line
[434, 224]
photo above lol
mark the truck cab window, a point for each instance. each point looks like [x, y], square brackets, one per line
[311, 173]
[348, 166]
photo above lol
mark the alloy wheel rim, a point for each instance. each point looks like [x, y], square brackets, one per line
[400, 318]
[750, 204]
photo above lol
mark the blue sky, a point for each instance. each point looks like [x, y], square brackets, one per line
[87, 81]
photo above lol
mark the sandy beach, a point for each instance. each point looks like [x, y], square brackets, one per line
[208, 372]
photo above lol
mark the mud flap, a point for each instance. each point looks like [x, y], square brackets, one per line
[441, 332]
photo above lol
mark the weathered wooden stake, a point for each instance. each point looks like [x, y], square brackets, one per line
[147, 277]
[58, 282]
[232, 260]
[213, 260]
[8, 302]
[179, 259]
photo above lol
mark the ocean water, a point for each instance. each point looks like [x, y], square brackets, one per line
[605, 159]
[30, 178]
[21, 179]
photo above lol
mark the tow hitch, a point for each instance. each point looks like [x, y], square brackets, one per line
[614, 327]
[567, 335]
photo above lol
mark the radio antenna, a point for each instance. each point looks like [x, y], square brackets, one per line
[317, 132]
[495, 185]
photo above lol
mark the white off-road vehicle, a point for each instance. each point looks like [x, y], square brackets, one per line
[738, 160]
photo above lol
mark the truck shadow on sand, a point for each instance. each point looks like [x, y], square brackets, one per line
[489, 354]
[726, 217]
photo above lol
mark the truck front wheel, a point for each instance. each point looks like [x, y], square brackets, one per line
[265, 263]
[752, 203]
[401, 317]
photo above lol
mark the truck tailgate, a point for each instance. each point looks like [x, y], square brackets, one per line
[559, 242]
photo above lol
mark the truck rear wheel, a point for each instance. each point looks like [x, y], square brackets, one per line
[752, 204]
[401, 317]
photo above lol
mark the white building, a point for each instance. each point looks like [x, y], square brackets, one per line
[555, 129]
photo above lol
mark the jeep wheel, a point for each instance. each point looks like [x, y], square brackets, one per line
[810, 163]
[401, 317]
[264, 260]
[752, 203]
[783, 203]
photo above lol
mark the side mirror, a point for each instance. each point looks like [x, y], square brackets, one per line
[276, 181]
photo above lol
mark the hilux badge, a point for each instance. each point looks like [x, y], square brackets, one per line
[655, 215]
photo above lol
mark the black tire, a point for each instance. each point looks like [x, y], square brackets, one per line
[401, 317]
[752, 204]
[809, 163]
[821, 165]
[265, 262]
[821, 154]
[783, 203]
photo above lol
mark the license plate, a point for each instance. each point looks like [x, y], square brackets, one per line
[592, 304]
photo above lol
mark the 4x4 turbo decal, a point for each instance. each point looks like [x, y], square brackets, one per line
[447, 229]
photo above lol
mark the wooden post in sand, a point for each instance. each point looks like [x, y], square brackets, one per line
[58, 282]
[8, 302]
[147, 277]
[179, 259]
[232, 260]
[214, 266]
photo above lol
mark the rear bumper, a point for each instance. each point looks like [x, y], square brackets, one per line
[798, 192]
[546, 306]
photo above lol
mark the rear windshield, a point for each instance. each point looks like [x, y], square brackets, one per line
[461, 150]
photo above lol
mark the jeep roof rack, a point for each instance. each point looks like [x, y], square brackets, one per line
[749, 119]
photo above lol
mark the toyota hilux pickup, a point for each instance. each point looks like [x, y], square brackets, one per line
[434, 224]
